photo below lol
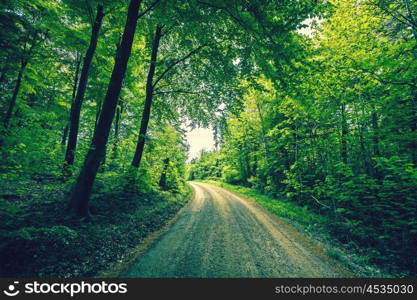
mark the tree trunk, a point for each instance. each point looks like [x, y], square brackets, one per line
[74, 91]
[3, 72]
[76, 105]
[266, 151]
[375, 134]
[343, 142]
[82, 189]
[367, 165]
[119, 112]
[12, 103]
[163, 179]
[64, 135]
[98, 112]
[413, 145]
[148, 100]
[413, 128]
[103, 161]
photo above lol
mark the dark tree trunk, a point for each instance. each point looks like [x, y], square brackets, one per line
[98, 112]
[103, 161]
[367, 165]
[263, 132]
[74, 91]
[23, 64]
[12, 103]
[375, 134]
[64, 135]
[148, 100]
[76, 104]
[82, 188]
[4, 70]
[343, 142]
[163, 179]
[412, 145]
[119, 112]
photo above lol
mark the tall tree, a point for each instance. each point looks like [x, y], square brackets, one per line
[148, 99]
[82, 188]
[28, 49]
[82, 84]
[74, 93]
[150, 86]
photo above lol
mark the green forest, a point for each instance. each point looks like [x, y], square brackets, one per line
[312, 102]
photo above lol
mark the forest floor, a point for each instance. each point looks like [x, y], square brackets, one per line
[40, 238]
[222, 234]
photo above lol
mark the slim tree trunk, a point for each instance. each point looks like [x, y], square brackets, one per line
[64, 135]
[413, 128]
[148, 100]
[98, 112]
[343, 143]
[119, 112]
[375, 134]
[367, 165]
[264, 138]
[23, 65]
[76, 105]
[12, 102]
[3, 72]
[74, 91]
[103, 161]
[163, 179]
[82, 188]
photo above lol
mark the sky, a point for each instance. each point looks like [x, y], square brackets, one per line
[198, 139]
[308, 31]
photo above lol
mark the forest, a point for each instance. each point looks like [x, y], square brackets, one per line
[313, 102]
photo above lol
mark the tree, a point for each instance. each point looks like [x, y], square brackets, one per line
[31, 37]
[148, 100]
[150, 86]
[82, 84]
[82, 188]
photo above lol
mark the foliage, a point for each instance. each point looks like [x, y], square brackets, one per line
[340, 136]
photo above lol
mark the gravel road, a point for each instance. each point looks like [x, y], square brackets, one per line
[222, 235]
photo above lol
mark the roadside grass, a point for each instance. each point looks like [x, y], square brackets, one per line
[316, 227]
[281, 208]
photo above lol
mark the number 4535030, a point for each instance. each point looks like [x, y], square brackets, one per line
[390, 289]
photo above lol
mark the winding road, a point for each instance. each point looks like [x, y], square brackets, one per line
[222, 235]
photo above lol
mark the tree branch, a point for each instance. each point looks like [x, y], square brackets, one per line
[324, 205]
[396, 15]
[377, 76]
[148, 9]
[176, 63]
[235, 18]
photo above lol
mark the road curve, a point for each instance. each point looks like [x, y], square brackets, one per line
[222, 235]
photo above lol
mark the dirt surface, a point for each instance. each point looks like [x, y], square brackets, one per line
[223, 235]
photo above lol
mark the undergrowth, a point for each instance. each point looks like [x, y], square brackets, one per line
[39, 237]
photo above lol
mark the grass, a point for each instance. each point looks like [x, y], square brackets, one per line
[278, 207]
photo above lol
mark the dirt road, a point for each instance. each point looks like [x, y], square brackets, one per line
[223, 235]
